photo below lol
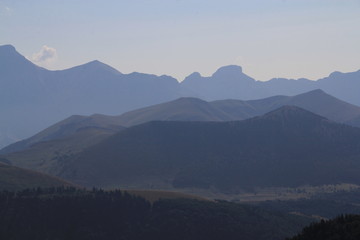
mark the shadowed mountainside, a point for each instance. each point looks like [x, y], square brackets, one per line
[287, 147]
[15, 179]
[192, 109]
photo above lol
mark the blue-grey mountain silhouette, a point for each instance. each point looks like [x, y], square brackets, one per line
[194, 109]
[32, 98]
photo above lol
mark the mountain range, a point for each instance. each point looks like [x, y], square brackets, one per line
[44, 97]
[33, 98]
[182, 109]
[287, 147]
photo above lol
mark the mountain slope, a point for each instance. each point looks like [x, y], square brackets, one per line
[192, 109]
[286, 147]
[64, 129]
[183, 109]
[319, 102]
[42, 97]
[49, 156]
[14, 179]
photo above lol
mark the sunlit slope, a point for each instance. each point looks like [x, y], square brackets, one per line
[14, 178]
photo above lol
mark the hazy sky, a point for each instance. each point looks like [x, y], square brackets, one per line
[268, 38]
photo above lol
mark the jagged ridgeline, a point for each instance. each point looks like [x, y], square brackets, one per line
[43, 97]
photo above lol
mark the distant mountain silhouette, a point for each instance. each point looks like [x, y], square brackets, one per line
[193, 109]
[231, 82]
[226, 82]
[287, 147]
[43, 97]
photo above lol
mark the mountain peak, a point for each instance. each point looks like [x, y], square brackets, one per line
[289, 112]
[194, 75]
[97, 65]
[7, 47]
[228, 71]
[9, 51]
[335, 74]
[314, 95]
[188, 100]
[11, 61]
[94, 63]
[316, 92]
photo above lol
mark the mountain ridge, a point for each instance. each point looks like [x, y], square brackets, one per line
[28, 91]
[288, 147]
[193, 109]
[227, 69]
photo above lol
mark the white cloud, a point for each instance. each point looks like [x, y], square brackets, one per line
[45, 55]
[5, 11]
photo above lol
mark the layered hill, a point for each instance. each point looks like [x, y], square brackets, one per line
[42, 97]
[287, 147]
[88, 127]
[182, 109]
[15, 179]
[49, 156]
[193, 109]
[48, 150]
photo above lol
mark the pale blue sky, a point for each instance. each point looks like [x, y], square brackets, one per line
[268, 38]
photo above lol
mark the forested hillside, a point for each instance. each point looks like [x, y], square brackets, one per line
[60, 213]
[341, 228]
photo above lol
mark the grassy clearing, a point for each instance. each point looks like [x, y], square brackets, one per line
[155, 195]
[264, 194]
